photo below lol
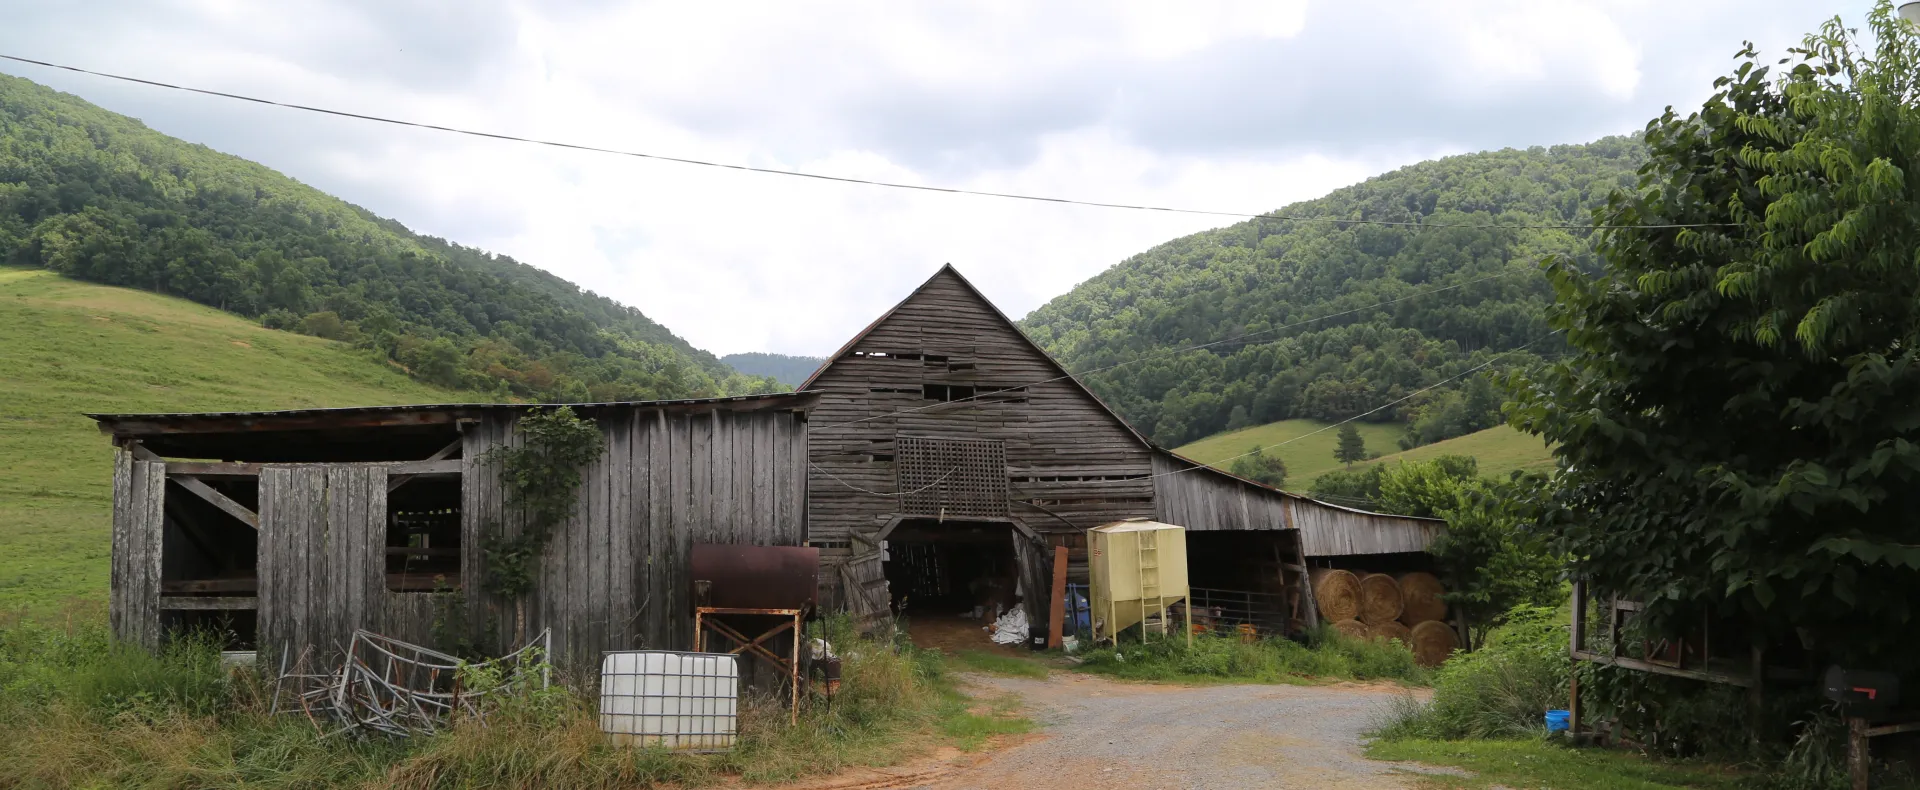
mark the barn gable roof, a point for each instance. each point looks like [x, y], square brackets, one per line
[948, 272]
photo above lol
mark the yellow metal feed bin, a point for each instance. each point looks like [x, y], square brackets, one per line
[1138, 569]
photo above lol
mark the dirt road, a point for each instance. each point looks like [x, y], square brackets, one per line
[1098, 733]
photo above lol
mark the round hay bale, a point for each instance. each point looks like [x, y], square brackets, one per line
[1379, 599]
[1433, 641]
[1420, 599]
[1336, 593]
[1390, 630]
[1351, 629]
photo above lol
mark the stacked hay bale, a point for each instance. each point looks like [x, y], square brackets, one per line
[1378, 606]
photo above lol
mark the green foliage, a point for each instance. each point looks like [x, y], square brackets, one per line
[1351, 448]
[540, 476]
[1249, 280]
[1502, 690]
[1735, 430]
[97, 196]
[1222, 659]
[1491, 557]
[1259, 467]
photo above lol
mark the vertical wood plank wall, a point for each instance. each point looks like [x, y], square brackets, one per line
[615, 576]
[322, 562]
[139, 502]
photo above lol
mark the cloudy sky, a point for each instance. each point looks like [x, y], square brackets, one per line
[1234, 106]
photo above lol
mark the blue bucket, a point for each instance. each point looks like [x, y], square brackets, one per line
[1559, 720]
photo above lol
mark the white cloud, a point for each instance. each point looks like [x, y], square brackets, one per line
[1237, 106]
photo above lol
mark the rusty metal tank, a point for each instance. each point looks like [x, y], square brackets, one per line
[755, 577]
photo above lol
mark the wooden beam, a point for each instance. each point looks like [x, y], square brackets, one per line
[395, 481]
[210, 585]
[141, 453]
[1893, 729]
[207, 603]
[1660, 669]
[219, 500]
[162, 425]
[441, 467]
[212, 469]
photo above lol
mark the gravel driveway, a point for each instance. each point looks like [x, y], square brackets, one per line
[1098, 733]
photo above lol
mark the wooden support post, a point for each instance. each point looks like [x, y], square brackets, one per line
[1056, 622]
[1756, 695]
[219, 500]
[1576, 639]
[1857, 751]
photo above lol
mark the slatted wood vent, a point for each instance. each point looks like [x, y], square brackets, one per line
[951, 478]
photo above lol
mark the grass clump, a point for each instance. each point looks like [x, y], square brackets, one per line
[1502, 690]
[998, 664]
[76, 710]
[1221, 659]
[1536, 763]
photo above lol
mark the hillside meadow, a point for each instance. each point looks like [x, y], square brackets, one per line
[68, 347]
[1308, 454]
[1500, 449]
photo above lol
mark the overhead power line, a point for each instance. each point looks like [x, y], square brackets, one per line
[847, 179]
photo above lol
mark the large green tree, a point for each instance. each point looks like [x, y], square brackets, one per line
[1738, 425]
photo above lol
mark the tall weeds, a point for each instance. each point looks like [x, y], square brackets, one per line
[78, 711]
[1327, 655]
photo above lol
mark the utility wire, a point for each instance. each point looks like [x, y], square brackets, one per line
[843, 179]
[1373, 410]
[1165, 353]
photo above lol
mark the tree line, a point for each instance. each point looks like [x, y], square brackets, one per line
[1259, 284]
[98, 196]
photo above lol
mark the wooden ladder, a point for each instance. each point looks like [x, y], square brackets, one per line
[1149, 567]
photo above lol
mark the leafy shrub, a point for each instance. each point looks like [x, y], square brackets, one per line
[1502, 690]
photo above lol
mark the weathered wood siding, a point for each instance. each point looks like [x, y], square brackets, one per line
[615, 575]
[1062, 447]
[1204, 499]
[1328, 530]
[139, 506]
[322, 561]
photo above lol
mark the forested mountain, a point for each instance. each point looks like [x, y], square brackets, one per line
[788, 370]
[98, 196]
[1256, 279]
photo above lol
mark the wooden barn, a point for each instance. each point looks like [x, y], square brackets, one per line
[289, 529]
[951, 455]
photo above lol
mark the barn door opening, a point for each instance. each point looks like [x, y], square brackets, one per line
[950, 579]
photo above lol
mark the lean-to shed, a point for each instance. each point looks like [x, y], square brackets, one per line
[950, 456]
[291, 529]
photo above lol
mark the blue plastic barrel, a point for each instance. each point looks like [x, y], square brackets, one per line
[1558, 720]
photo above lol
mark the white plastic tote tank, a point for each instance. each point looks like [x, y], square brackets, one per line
[682, 701]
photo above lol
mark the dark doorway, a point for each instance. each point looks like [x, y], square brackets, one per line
[1239, 581]
[952, 568]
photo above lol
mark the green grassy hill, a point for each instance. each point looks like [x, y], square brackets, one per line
[1499, 449]
[1306, 458]
[68, 347]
